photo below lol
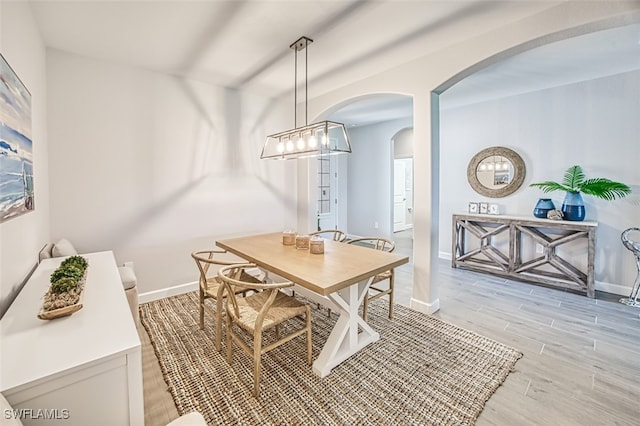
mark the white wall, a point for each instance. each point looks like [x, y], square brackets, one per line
[21, 238]
[403, 143]
[370, 195]
[155, 167]
[593, 124]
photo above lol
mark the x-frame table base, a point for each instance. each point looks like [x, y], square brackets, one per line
[350, 332]
[548, 267]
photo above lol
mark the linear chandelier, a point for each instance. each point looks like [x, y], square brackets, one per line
[310, 140]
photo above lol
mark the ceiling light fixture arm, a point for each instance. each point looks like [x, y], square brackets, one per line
[301, 44]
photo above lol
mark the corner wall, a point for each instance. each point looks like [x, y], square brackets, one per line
[154, 167]
[370, 165]
[22, 237]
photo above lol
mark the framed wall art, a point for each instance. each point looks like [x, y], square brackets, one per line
[16, 150]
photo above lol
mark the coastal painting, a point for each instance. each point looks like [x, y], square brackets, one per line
[16, 150]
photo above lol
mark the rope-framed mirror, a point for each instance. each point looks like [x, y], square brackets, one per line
[496, 172]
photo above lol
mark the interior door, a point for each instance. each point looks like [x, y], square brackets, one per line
[399, 195]
[408, 186]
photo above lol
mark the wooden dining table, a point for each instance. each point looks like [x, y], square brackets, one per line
[339, 278]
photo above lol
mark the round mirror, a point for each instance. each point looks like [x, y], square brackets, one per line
[496, 172]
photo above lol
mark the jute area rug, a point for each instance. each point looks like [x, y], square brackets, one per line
[422, 371]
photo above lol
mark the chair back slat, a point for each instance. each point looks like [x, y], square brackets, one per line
[265, 308]
[231, 276]
[257, 313]
[205, 258]
[334, 234]
[376, 243]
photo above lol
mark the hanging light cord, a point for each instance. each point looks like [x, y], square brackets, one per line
[306, 86]
[295, 89]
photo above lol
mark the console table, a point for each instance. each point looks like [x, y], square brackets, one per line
[81, 369]
[529, 249]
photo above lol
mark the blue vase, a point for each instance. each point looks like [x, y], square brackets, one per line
[543, 206]
[573, 207]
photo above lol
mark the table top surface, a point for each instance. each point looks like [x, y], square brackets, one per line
[32, 349]
[340, 266]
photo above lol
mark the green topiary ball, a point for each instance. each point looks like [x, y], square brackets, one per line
[64, 285]
[77, 261]
[67, 271]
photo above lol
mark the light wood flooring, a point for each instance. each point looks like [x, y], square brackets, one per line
[581, 363]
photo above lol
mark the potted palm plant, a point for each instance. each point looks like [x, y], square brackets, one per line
[574, 183]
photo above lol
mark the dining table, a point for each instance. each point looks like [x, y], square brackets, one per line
[338, 278]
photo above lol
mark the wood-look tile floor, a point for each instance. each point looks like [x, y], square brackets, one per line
[581, 363]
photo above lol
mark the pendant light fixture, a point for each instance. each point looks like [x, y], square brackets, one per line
[310, 140]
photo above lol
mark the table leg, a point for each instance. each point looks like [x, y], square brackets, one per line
[350, 334]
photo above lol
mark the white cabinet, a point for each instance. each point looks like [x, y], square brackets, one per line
[83, 369]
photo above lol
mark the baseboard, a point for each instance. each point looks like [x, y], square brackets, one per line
[444, 255]
[427, 308]
[418, 305]
[150, 296]
[406, 228]
[613, 288]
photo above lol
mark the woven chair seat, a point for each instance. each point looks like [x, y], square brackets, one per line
[381, 277]
[283, 308]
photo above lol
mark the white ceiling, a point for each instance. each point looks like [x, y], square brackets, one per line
[245, 43]
[586, 57]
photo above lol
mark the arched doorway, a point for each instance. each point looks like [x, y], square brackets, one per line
[354, 192]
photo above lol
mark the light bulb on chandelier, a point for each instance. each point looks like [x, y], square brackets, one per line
[313, 141]
[301, 144]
